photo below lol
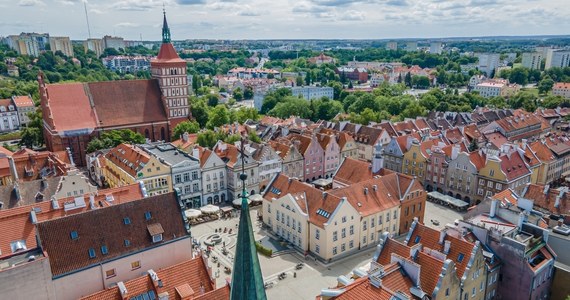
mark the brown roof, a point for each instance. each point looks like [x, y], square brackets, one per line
[230, 155]
[513, 166]
[496, 138]
[70, 107]
[23, 101]
[316, 199]
[431, 269]
[129, 158]
[105, 227]
[187, 278]
[370, 196]
[478, 158]
[392, 246]
[184, 145]
[429, 237]
[472, 132]
[304, 142]
[16, 224]
[167, 54]
[126, 102]
[555, 201]
[353, 170]
[507, 197]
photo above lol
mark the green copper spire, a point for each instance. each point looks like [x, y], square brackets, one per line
[165, 30]
[247, 280]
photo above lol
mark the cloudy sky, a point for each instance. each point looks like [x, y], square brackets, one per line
[287, 19]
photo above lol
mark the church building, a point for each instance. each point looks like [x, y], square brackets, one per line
[75, 113]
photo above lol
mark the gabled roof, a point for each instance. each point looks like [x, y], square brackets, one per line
[513, 166]
[125, 102]
[429, 237]
[70, 108]
[167, 54]
[431, 269]
[189, 277]
[317, 200]
[368, 135]
[104, 231]
[553, 200]
[370, 196]
[16, 222]
[507, 197]
[353, 170]
[478, 159]
[129, 158]
[203, 155]
[23, 101]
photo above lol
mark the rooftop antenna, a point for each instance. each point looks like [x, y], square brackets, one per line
[87, 18]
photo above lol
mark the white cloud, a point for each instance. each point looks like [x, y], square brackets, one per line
[353, 15]
[127, 24]
[31, 3]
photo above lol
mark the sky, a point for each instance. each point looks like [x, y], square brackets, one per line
[287, 19]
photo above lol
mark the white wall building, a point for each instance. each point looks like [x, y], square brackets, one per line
[9, 120]
[312, 92]
[435, 47]
[561, 89]
[557, 58]
[532, 60]
[488, 62]
[214, 179]
[61, 43]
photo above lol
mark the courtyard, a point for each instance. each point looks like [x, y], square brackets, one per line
[307, 282]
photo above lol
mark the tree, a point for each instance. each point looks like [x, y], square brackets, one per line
[246, 113]
[292, 106]
[238, 94]
[545, 85]
[113, 138]
[552, 101]
[421, 82]
[248, 93]
[218, 116]
[186, 126]
[299, 81]
[519, 76]
[207, 138]
[473, 145]
[414, 110]
[408, 79]
[199, 110]
[212, 100]
[326, 109]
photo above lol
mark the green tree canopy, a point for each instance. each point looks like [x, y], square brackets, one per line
[186, 126]
[218, 116]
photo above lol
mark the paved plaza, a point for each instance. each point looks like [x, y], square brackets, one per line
[314, 276]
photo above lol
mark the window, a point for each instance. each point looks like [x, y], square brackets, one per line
[110, 273]
[395, 214]
[460, 257]
[335, 250]
[91, 253]
[473, 292]
[364, 239]
[195, 187]
[343, 247]
[499, 186]
[126, 221]
[317, 235]
[388, 217]
[447, 292]
[491, 172]
[135, 265]
[490, 184]
[335, 237]
[481, 182]
[364, 227]
[147, 215]
[379, 220]
[177, 179]
[127, 243]
[351, 229]
[481, 286]
[371, 236]
[344, 219]
[351, 244]
[420, 207]
[372, 222]
[104, 250]
[74, 235]
[417, 240]
[317, 249]
[157, 238]
[186, 176]
[194, 175]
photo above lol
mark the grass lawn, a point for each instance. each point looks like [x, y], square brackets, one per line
[10, 136]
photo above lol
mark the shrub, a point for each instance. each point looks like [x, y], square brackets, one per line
[265, 251]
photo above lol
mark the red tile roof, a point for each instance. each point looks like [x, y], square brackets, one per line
[376, 198]
[70, 107]
[430, 270]
[392, 246]
[561, 85]
[23, 101]
[430, 238]
[16, 224]
[506, 197]
[316, 199]
[129, 158]
[184, 145]
[105, 227]
[478, 159]
[513, 166]
[126, 102]
[189, 278]
[167, 54]
[554, 200]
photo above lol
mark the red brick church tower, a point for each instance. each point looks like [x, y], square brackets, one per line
[170, 71]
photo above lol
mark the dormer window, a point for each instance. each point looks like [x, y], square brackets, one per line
[157, 238]
[18, 246]
[155, 230]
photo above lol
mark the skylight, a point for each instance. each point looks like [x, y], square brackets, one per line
[127, 243]
[104, 250]
[74, 235]
[91, 253]
[126, 221]
[324, 213]
[417, 240]
[275, 190]
[460, 257]
[147, 215]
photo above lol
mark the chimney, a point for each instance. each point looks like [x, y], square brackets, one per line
[92, 201]
[325, 194]
[375, 187]
[494, 204]
[122, 289]
[446, 246]
[13, 168]
[365, 191]
[196, 153]
[521, 220]
[455, 151]
[185, 136]
[442, 235]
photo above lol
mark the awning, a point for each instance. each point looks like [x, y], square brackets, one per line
[192, 213]
[210, 209]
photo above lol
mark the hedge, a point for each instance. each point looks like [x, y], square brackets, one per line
[263, 250]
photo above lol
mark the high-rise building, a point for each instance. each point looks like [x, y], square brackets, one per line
[113, 42]
[61, 43]
[170, 71]
[28, 43]
[559, 58]
[392, 46]
[488, 62]
[412, 46]
[95, 45]
[532, 60]
[435, 48]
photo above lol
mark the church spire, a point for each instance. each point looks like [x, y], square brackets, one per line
[165, 29]
[247, 280]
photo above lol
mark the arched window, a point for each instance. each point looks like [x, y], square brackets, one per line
[223, 197]
[162, 133]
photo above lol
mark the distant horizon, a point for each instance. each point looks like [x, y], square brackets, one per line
[289, 20]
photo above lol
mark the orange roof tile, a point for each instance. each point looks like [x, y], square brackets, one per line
[370, 196]
[23, 101]
[70, 107]
[129, 158]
